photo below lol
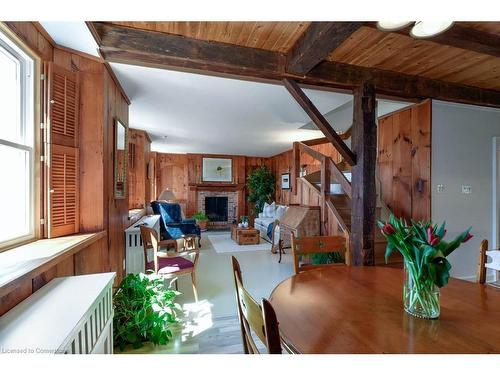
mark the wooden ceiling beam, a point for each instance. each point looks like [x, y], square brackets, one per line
[316, 43]
[319, 120]
[160, 50]
[461, 37]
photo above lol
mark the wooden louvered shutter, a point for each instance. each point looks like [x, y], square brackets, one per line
[62, 151]
[64, 97]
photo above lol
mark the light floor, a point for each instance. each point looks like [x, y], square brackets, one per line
[211, 325]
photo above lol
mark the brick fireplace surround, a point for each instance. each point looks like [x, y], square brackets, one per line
[232, 205]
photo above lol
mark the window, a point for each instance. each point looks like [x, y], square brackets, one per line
[17, 137]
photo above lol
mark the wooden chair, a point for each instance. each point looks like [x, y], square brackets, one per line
[315, 245]
[261, 319]
[493, 265]
[165, 264]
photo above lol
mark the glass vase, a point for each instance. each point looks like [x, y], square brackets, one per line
[420, 295]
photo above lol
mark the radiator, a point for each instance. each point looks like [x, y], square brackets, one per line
[70, 315]
[134, 251]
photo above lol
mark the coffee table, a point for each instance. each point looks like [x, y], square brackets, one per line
[245, 236]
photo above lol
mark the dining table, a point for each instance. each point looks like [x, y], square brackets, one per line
[342, 309]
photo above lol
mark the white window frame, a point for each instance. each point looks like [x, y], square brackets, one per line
[28, 70]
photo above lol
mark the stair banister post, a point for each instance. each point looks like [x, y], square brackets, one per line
[295, 166]
[325, 189]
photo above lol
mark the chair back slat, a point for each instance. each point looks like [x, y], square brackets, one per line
[482, 265]
[261, 320]
[316, 245]
[149, 240]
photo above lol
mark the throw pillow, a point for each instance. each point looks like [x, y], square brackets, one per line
[269, 210]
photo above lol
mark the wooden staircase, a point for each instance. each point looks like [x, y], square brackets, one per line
[330, 188]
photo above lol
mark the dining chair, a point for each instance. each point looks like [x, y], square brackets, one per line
[326, 248]
[168, 264]
[484, 253]
[259, 319]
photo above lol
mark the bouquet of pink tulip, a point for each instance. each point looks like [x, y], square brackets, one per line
[424, 252]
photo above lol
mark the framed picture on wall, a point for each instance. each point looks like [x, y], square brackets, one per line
[217, 170]
[285, 181]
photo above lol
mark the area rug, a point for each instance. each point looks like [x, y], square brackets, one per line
[223, 243]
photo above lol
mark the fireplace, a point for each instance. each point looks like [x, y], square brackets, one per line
[216, 208]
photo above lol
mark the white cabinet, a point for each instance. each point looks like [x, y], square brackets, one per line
[71, 315]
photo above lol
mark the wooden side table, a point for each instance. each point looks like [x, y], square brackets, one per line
[245, 236]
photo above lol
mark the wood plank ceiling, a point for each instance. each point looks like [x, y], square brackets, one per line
[462, 64]
[271, 36]
[373, 48]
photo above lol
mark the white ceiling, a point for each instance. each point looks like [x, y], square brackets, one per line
[205, 114]
[184, 112]
[74, 35]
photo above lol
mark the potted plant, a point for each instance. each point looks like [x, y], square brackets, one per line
[244, 221]
[202, 220]
[424, 253]
[261, 187]
[145, 311]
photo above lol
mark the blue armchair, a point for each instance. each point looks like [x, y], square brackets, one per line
[172, 225]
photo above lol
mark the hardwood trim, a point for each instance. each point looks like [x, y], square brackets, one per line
[44, 33]
[12, 283]
[462, 37]
[319, 120]
[316, 43]
[321, 141]
[166, 51]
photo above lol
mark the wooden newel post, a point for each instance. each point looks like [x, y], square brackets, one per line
[325, 189]
[295, 166]
[364, 145]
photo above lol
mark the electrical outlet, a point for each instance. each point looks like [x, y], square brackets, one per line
[466, 189]
[440, 188]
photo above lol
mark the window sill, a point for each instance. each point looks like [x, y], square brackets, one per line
[29, 260]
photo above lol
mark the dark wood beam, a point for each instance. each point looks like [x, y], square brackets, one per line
[167, 51]
[364, 144]
[462, 37]
[181, 51]
[316, 43]
[319, 120]
[402, 85]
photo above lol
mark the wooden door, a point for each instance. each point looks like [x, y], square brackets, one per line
[404, 161]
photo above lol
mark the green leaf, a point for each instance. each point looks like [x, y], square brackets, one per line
[388, 251]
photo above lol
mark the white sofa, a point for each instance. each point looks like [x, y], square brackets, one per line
[262, 222]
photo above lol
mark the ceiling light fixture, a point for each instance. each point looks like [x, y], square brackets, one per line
[420, 29]
[392, 25]
[427, 29]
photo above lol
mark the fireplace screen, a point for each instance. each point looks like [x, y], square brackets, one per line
[216, 208]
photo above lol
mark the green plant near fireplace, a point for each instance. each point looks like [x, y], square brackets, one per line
[261, 188]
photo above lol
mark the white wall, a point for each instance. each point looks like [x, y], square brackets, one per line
[462, 154]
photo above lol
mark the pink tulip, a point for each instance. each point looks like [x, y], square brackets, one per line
[467, 238]
[388, 229]
[432, 239]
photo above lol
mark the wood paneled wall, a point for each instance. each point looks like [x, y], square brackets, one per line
[404, 161]
[183, 172]
[100, 101]
[139, 185]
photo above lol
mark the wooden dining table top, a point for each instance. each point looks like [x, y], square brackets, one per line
[360, 310]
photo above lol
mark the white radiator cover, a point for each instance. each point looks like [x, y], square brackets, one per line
[70, 315]
[134, 251]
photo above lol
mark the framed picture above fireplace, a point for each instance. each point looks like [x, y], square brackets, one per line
[217, 170]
